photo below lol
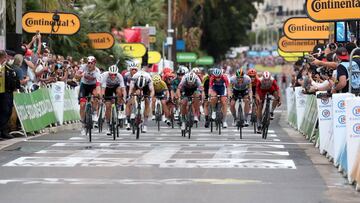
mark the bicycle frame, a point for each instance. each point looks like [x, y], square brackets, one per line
[266, 117]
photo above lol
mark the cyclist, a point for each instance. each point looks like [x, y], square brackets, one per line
[89, 84]
[190, 85]
[266, 84]
[141, 81]
[174, 86]
[161, 91]
[219, 85]
[133, 68]
[254, 79]
[241, 86]
[205, 96]
[112, 83]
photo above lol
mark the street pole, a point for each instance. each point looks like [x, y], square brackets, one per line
[19, 5]
[169, 31]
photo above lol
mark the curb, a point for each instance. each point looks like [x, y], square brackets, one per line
[51, 130]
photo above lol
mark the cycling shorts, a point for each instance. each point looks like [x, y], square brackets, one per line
[220, 90]
[160, 93]
[110, 91]
[262, 93]
[86, 90]
[188, 92]
[240, 93]
[145, 90]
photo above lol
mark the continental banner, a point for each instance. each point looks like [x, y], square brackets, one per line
[288, 45]
[333, 10]
[304, 29]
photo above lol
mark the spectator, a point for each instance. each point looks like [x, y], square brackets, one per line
[342, 84]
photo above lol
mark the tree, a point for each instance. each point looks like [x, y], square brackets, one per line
[225, 25]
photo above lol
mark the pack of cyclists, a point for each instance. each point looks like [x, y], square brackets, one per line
[173, 89]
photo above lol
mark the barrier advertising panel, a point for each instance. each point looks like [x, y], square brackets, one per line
[324, 106]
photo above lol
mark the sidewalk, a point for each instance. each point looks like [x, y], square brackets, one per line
[6, 143]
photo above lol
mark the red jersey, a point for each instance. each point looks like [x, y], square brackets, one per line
[263, 87]
[224, 81]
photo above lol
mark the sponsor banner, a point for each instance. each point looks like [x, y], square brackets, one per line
[68, 23]
[71, 106]
[101, 40]
[134, 50]
[186, 57]
[290, 59]
[154, 57]
[291, 54]
[352, 132]
[57, 99]
[288, 45]
[325, 116]
[300, 100]
[304, 29]
[205, 60]
[339, 126]
[333, 10]
[35, 110]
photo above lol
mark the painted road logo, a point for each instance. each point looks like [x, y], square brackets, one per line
[68, 23]
[356, 111]
[333, 10]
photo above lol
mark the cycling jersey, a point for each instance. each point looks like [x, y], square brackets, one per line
[90, 77]
[160, 87]
[236, 85]
[206, 85]
[147, 78]
[264, 87]
[219, 85]
[185, 85]
[174, 84]
[107, 82]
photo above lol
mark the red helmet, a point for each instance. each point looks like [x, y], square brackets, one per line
[167, 71]
[168, 75]
[266, 75]
[251, 72]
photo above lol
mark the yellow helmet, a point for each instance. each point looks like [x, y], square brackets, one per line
[156, 78]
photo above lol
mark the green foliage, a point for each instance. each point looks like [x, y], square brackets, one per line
[225, 25]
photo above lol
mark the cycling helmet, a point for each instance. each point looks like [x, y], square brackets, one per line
[196, 70]
[251, 72]
[91, 59]
[132, 65]
[141, 81]
[217, 72]
[113, 69]
[169, 75]
[166, 71]
[240, 73]
[181, 71]
[156, 78]
[266, 75]
[191, 77]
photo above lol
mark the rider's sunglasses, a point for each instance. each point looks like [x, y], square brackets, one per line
[112, 74]
[90, 63]
[134, 69]
[180, 74]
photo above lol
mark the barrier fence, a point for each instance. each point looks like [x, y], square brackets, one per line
[333, 124]
[46, 107]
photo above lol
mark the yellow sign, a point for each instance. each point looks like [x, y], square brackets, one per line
[288, 45]
[152, 39]
[135, 50]
[291, 54]
[154, 57]
[333, 10]
[291, 59]
[68, 23]
[305, 28]
[101, 40]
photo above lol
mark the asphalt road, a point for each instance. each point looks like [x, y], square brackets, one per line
[165, 167]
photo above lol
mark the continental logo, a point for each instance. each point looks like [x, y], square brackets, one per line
[68, 23]
[302, 28]
[101, 40]
[319, 5]
[30, 22]
[298, 43]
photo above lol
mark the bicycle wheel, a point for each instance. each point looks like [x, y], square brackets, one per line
[133, 126]
[88, 120]
[100, 120]
[137, 132]
[158, 115]
[241, 119]
[190, 121]
[219, 118]
[113, 121]
[265, 131]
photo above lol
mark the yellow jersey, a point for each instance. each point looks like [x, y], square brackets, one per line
[161, 86]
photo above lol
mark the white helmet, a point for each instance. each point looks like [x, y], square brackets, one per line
[91, 59]
[196, 70]
[141, 81]
[113, 69]
[191, 77]
[132, 65]
[266, 75]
